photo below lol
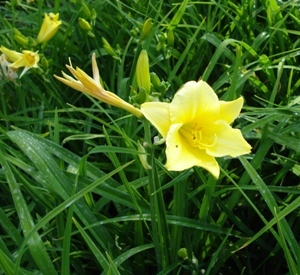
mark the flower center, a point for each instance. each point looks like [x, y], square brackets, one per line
[29, 59]
[196, 135]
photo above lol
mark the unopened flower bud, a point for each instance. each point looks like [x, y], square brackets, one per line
[161, 38]
[170, 37]
[142, 72]
[85, 25]
[143, 156]
[45, 63]
[86, 10]
[91, 34]
[94, 15]
[182, 253]
[22, 40]
[108, 47]
[147, 27]
[155, 80]
[16, 31]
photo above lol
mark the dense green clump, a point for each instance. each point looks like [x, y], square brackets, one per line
[84, 190]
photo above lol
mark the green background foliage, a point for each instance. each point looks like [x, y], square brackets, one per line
[75, 198]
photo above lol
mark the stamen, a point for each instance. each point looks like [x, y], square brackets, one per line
[195, 135]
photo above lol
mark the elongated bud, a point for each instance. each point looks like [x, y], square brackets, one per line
[22, 40]
[170, 37]
[7, 24]
[108, 47]
[142, 72]
[16, 31]
[86, 10]
[155, 80]
[93, 15]
[147, 27]
[45, 63]
[143, 157]
[85, 25]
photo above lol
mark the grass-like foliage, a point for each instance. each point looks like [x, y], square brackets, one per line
[75, 197]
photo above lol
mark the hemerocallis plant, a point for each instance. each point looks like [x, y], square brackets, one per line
[49, 27]
[196, 127]
[93, 87]
[26, 59]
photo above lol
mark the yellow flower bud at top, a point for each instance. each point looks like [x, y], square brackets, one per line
[49, 27]
[142, 72]
[147, 27]
[85, 25]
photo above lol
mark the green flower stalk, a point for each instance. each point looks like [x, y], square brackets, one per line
[91, 86]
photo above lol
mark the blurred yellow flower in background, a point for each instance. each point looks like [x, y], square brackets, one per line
[195, 126]
[26, 59]
[49, 27]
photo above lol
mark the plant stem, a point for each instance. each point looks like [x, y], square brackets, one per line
[159, 232]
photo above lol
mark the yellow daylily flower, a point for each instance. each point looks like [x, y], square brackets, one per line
[26, 59]
[196, 127]
[49, 27]
[92, 86]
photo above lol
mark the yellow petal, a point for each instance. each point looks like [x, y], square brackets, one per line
[96, 74]
[31, 58]
[11, 55]
[85, 79]
[181, 156]
[230, 110]
[49, 27]
[194, 101]
[229, 141]
[71, 82]
[158, 114]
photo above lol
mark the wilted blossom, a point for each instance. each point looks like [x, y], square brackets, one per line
[92, 86]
